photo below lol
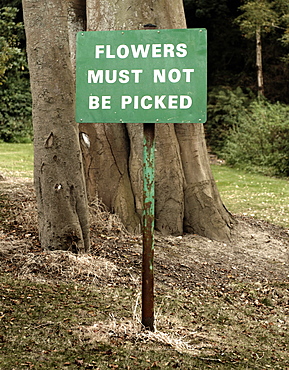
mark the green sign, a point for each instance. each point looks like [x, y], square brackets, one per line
[141, 76]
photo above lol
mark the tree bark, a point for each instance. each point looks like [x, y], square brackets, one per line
[58, 170]
[259, 64]
[204, 212]
[187, 199]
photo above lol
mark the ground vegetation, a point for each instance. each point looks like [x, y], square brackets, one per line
[218, 305]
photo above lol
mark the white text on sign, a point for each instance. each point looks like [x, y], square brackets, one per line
[141, 51]
[144, 102]
[123, 76]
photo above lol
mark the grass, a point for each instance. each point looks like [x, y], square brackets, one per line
[253, 195]
[244, 193]
[16, 160]
[59, 326]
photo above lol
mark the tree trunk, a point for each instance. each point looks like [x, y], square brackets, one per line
[58, 170]
[187, 199]
[259, 62]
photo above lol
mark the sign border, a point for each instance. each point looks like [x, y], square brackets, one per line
[132, 116]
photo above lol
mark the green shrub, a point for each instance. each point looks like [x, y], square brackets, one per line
[259, 139]
[225, 107]
[15, 111]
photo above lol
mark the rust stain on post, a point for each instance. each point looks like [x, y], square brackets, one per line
[148, 226]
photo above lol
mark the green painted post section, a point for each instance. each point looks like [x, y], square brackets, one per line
[148, 226]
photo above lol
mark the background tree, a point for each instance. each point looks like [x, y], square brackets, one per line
[282, 7]
[232, 57]
[258, 17]
[58, 172]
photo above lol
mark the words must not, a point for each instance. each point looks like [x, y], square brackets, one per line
[141, 76]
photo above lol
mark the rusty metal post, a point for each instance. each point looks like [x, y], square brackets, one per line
[148, 226]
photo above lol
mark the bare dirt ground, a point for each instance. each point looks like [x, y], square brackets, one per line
[258, 251]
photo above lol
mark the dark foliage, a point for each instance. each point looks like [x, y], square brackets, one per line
[15, 96]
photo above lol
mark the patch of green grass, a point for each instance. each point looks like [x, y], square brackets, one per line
[244, 193]
[16, 160]
[59, 326]
[253, 195]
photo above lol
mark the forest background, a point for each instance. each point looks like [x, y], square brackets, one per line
[248, 124]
